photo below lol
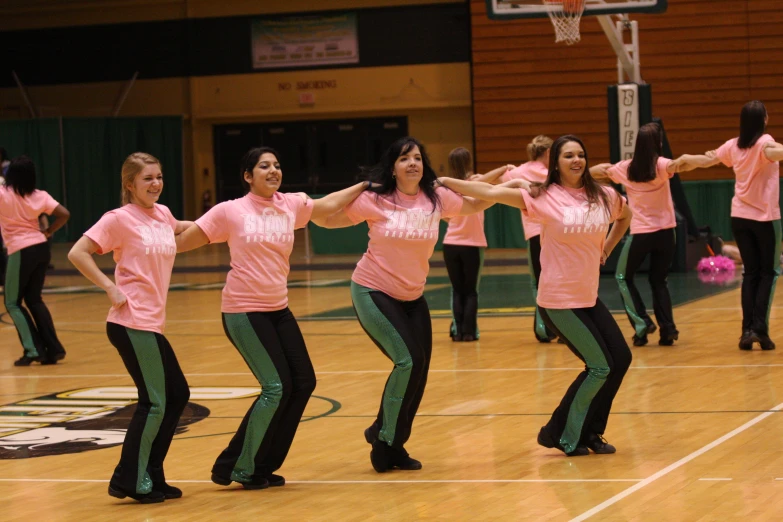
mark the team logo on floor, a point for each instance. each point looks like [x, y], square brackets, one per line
[87, 419]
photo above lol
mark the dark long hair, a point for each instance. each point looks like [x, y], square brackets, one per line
[382, 172]
[21, 176]
[460, 163]
[752, 124]
[594, 192]
[649, 147]
[249, 161]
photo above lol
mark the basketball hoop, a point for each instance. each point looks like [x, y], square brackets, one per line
[565, 16]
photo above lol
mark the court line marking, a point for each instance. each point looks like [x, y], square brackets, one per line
[715, 479]
[361, 372]
[668, 469]
[488, 481]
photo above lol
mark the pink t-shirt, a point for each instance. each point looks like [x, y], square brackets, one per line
[466, 231]
[19, 217]
[757, 189]
[650, 201]
[260, 235]
[144, 249]
[403, 233]
[534, 172]
[572, 241]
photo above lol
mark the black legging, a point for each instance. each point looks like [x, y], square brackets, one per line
[540, 330]
[660, 247]
[274, 350]
[403, 332]
[24, 280]
[759, 246]
[163, 395]
[592, 335]
[463, 264]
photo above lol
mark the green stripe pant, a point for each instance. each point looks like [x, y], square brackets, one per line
[274, 350]
[592, 335]
[403, 332]
[163, 395]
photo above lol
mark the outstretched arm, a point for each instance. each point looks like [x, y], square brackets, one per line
[773, 151]
[338, 220]
[688, 162]
[473, 205]
[496, 194]
[182, 226]
[191, 238]
[335, 202]
[81, 257]
[493, 175]
[601, 171]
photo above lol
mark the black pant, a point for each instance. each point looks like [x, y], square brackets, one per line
[759, 246]
[163, 395]
[403, 332]
[24, 280]
[540, 329]
[659, 245]
[463, 264]
[2, 262]
[274, 350]
[592, 335]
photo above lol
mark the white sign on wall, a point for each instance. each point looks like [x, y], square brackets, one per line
[628, 118]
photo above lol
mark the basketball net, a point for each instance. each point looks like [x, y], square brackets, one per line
[565, 16]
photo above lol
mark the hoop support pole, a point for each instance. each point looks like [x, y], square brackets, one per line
[627, 62]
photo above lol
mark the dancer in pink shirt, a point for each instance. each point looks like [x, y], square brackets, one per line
[646, 182]
[259, 229]
[28, 258]
[141, 235]
[575, 213]
[403, 210]
[755, 216]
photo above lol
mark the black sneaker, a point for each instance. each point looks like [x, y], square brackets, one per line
[275, 481]
[746, 340]
[468, 338]
[546, 440]
[640, 341]
[153, 497]
[370, 435]
[598, 444]
[27, 361]
[401, 460]
[59, 356]
[256, 483]
[159, 483]
[668, 339]
[764, 340]
[380, 455]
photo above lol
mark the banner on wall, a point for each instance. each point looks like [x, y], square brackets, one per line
[305, 41]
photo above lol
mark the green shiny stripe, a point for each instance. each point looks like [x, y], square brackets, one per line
[12, 271]
[257, 358]
[382, 331]
[776, 265]
[145, 346]
[625, 293]
[538, 325]
[597, 370]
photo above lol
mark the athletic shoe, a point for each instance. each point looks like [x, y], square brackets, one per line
[764, 340]
[668, 340]
[640, 341]
[59, 356]
[401, 460]
[370, 435]
[275, 481]
[598, 444]
[746, 340]
[153, 497]
[651, 328]
[468, 338]
[159, 483]
[380, 456]
[547, 441]
[27, 361]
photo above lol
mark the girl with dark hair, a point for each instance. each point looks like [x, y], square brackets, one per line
[387, 286]
[534, 171]
[259, 229]
[646, 181]
[28, 257]
[755, 216]
[575, 213]
[463, 252]
[141, 234]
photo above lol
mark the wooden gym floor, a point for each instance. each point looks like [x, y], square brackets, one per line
[697, 425]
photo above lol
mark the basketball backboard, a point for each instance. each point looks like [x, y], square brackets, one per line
[511, 9]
